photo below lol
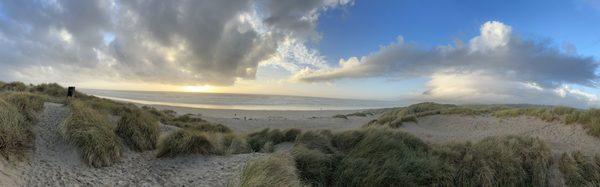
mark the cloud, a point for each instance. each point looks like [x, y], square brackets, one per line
[495, 64]
[175, 42]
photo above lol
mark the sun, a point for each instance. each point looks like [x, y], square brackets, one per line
[205, 88]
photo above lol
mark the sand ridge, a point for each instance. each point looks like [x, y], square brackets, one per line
[448, 128]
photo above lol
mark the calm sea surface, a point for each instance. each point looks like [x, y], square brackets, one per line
[240, 101]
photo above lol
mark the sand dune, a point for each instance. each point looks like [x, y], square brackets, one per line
[448, 128]
[55, 163]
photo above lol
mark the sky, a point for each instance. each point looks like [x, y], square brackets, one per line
[451, 51]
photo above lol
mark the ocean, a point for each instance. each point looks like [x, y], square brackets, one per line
[239, 101]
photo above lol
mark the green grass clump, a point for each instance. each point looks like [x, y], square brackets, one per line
[90, 131]
[275, 170]
[15, 131]
[314, 166]
[258, 140]
[389, 158]
[289, 135]
[139, 130]
[185, 141]
[235, 144]
[499, 161]
[28, 104]
[347, 140]
[14, 86]
[580, 170]
[319, 140]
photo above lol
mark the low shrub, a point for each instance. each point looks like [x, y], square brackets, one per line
[184, 141]
[28, 104]
[90, 131]
[275, 170]
[15, 131]
[139, 130]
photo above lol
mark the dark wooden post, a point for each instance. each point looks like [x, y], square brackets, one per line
[71, 91]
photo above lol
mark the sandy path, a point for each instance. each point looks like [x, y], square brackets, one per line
[54, 163]
[447, 128]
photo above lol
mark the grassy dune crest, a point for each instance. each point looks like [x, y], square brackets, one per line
[15, 131]
[90, 131]
[28, 104]
[590, 118]
[139, 130]
[275, 170]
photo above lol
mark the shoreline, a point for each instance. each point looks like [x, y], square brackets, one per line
[238, 113]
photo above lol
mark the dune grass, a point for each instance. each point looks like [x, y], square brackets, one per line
[189, 121]
[15, 132]
[28, 104]
[394, 118]
[183, 142]
[225, 143]
[14, 86]
[163, 116]
[499, 161]
[275, 170]
[258, 140]
[387, 157]
[139, 130]
[580, 170]
[90, 131]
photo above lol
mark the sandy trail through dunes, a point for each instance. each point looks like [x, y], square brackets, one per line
[55, 163]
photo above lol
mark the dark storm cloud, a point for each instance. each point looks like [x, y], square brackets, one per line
[181, 42]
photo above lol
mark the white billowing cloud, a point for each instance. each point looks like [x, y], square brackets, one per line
[481, 88]
[174, 42]
[495, 66]
[494, 35]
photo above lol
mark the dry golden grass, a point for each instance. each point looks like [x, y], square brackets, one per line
[139, 130]
[90, 131]
[15, 132]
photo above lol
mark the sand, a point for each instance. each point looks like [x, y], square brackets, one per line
[55, 163]
[256, 120]
[457, 128]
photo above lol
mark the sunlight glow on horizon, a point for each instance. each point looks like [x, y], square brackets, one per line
[203, 89]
